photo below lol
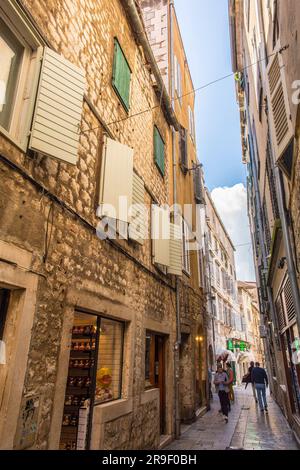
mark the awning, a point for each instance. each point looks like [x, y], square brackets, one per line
[245, 355]
[223, 354]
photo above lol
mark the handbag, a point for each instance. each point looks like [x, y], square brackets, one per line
[245, 379]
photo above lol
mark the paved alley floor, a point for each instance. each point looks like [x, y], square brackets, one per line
[247, 429]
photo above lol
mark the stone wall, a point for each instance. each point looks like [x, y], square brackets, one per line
[61, 235]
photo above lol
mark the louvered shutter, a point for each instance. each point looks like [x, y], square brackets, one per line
[57, 114]
[116, 179]
[160, 232]
[183, 149]
[159, 151]
[175, 250]
[289, 302]
[199, 194]
[280, 116]
[138, 225]
[280, 314]
[121, 75]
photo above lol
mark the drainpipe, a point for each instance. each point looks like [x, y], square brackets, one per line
[141, 36]
[178, 326]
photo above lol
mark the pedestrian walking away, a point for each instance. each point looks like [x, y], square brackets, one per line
[247, 380]
[221, 383]
[230, 375]
[260, 380]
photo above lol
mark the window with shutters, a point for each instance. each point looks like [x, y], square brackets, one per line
[279, 110]
[159, 151]
[19, 54]
[121, 75]
[183, 150]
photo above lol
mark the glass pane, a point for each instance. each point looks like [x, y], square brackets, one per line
[11, 52]
[109, 367]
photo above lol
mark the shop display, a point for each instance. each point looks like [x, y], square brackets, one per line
[79, 382]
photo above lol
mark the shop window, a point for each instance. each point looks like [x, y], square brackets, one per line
[109, 364]
[94, 375]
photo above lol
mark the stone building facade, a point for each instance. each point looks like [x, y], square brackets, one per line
[166, 42]
[266, 62]
[221, 277]
[57, 278]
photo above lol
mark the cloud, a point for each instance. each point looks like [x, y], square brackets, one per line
[231, 204]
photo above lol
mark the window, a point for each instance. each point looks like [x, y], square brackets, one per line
[11, 53]
[38, 88]
[159, 151]
[121, 76]
[178, 79]
[109, 363]
[18, 80]
[185, 248]
[94, 375]
[191, 123]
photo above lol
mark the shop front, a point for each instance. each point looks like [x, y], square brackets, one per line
[94, 375]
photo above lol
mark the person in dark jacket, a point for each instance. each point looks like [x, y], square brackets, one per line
[260, 380]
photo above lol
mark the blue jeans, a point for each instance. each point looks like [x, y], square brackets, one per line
[261, 395]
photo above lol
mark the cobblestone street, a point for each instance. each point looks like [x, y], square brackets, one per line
[248, 428]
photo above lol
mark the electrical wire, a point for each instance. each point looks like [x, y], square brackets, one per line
[213, 82]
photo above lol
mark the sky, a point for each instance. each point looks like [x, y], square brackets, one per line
[205, 32]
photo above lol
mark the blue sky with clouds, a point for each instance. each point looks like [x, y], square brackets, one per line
[205, 31]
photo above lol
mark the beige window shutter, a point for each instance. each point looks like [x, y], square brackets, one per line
[175, 250]
[116, 180]
[160, 231]
[57, 115]
[138, 225]
[279, 108]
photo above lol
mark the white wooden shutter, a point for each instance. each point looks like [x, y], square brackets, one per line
[175, 250]
[160, 239]
[57, 114]
[116, 179]
[279, 108]
[138, 225]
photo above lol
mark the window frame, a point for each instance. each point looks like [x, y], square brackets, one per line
[29, 72]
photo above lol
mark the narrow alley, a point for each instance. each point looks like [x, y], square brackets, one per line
[247, 429]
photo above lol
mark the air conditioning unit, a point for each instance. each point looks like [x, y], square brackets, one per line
[262, 331]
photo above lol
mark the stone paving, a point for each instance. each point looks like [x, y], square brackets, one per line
[247, 429]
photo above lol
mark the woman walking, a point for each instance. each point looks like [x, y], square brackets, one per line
[221, 383]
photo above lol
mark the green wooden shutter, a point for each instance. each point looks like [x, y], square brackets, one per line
[121, 76]
[159, 151]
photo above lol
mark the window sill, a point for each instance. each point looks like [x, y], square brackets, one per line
[109, 411]
[13, 140]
